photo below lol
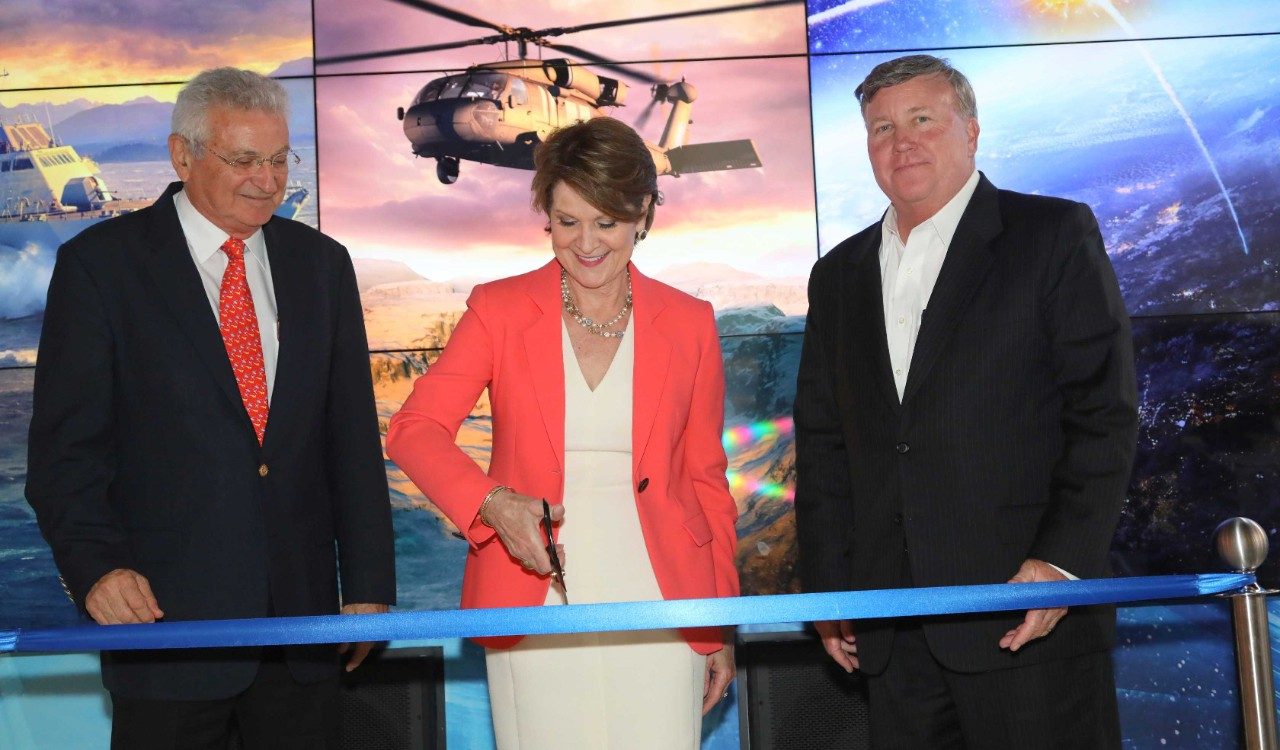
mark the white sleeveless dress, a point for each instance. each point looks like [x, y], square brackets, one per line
[599, 690]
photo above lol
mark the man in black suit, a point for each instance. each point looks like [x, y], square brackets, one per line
[204, 442]
[965, 414]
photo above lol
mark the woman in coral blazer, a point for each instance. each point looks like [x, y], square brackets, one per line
[512, 340]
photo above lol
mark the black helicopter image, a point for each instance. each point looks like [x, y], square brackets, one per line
[496, 112]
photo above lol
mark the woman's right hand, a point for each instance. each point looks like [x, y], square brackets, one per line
[517, 519]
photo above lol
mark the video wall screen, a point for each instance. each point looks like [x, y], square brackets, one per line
[58, 43]
[880, 25]
[424, 538]
[738, 237]
[113, 139]
[1208, 443]
[1174, 142]
[630, 39]
[28, 578]
[1179, 160]
[1159, 114]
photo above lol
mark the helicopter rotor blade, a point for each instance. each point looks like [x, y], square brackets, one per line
[455, 15]
[510, 33]
[764, 4]
[539, 37]
[603, 62]
[405, 51]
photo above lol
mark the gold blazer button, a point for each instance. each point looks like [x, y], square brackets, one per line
[263, 470]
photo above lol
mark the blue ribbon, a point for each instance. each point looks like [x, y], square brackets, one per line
[584, 618]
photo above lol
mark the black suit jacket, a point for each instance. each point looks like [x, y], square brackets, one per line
[142, 455]
[1014, 438]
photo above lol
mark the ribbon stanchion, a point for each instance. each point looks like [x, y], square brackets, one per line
[581, 618]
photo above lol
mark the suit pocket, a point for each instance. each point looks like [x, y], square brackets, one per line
[698, 529]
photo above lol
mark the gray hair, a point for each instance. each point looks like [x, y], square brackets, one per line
[224, 87]
[903, 69]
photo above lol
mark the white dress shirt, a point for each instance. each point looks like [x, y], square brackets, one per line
[909, 271]
[204, 240]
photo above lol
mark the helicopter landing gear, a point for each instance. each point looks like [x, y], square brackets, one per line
[447, 169]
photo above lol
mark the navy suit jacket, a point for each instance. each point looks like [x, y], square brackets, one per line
[1014, 438]
[142, 455]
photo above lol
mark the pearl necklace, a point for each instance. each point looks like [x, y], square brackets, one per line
[599, 329]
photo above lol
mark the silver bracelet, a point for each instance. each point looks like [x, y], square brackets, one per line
[487, 497]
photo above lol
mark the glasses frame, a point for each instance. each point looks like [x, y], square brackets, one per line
[291, 159]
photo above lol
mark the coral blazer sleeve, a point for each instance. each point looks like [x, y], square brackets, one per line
[421, 436]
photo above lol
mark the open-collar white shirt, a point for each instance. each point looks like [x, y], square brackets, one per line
[204, 241]
[908, 272]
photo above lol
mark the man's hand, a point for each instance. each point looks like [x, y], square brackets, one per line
[360, 650]
[122, 597]
[1039, 622]
[839, 642]
[517, 519]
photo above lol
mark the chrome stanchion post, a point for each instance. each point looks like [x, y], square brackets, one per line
[1243, 545]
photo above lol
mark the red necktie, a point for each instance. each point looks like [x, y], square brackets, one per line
[239, 324]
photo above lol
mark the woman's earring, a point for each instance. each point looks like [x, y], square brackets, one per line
[642, 234]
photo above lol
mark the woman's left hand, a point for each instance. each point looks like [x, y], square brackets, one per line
[719, 675]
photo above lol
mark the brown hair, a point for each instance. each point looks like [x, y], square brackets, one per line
[903, 69]
[604, 161]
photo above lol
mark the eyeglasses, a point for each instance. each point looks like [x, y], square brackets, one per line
[248, 162]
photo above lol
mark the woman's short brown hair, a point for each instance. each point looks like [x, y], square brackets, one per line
[605, 162]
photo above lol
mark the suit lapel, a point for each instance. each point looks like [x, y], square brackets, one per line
[168, 261]
[864, 316]
[967, 263]
[652, 355]
[294, 307]
[542, 346]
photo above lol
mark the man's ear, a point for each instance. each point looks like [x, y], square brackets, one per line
[180, 155]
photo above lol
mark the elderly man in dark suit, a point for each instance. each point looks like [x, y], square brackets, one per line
[204, 442]
[965, 414]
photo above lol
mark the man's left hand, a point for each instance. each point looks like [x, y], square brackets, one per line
[360, 650]
[1039, 622]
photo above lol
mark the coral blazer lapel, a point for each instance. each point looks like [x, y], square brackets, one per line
[542, 345]
[652, 355]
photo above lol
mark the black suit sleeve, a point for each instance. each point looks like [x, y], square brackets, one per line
[1092, 353]
[71, 448]
[824, 493]
[357, 476]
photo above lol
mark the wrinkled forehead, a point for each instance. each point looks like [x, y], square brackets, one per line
[245, 130]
